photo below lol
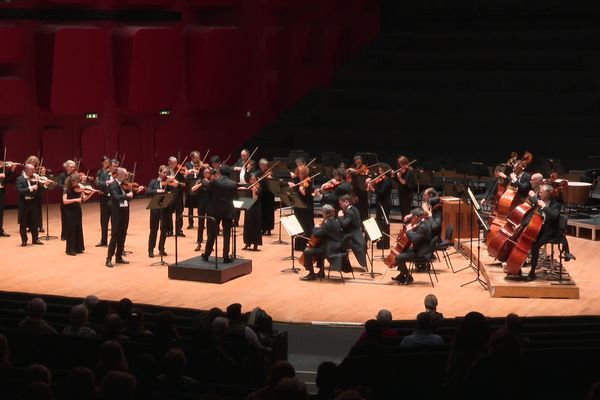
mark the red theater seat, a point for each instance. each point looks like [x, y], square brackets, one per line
[93, 139]
[11, 44]
[72, 69]
[12, 96]
[214, 67]
[147, 68]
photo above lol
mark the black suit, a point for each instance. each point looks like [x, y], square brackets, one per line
[119, 203]
[329, 234]
[222, 191]
[420, 238]
[191, 198]
[405, 192]
[29, 210]
[550, 231]
[350, 223]
[523, 185]
[437, 216]
[8, 173]
[177, 206]
[102, 177]
[383, 204]
[158, 219]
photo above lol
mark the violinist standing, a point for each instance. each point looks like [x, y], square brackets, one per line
[360, 170]
[6, 173]
[71, 200]
[520, 179]
[406, 185]
[105, 177]
[241, 174]
[383, 203]
[419, 234]
[177, 206]
[350, 222]
[267, 212]
[202, 200]
[29, 213]
[158, 217]
[119, 202]
[328, 234]
[304, 215]
[192, 174]
[252, 216]
[41, 171]
[69, 167]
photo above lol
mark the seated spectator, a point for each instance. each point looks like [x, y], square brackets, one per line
[111, 358]
[165, 331]
[117, 385]
[90, 302]
[277, 372]
[81, 385]
[38, 373]
[371, 344]
[145, 371]
[79, 318]
[384, 317]
[4, 353]
[290, 389]
[219, 326]
[37, 391]
[431, 303]
[124, 307]
[174, 363]
[135, 324]
[113, 326]
[239, 328]
[326, 381]
[34, 321]
[423, 335]
[214, 313]
[350, 395]
[207, 359]
[98, 315]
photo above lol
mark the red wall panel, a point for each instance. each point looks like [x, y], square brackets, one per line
[57, 147]
[12, 96]
[214, 58]
[11, 44]
[93, 147]
[148, 68]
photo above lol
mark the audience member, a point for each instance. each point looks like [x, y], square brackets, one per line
[81, 385]
[113, 326]
[290, 389]
[34, 321]
[350, 395]
[90, 302]
[431, 303]
[165, 331]
[124, 308]
[4, 353]
[423, 335]
[145, 371]
[37, 391]
[219, 326]
[174, 363]
[207, 359]
[111, 358]
[38, 373]
[98, 315]
[135, 324]
[384, 318]
[238, 328]
[79, 318]
[214, 313]
[117, 385]
[326, 381]
[278, 371]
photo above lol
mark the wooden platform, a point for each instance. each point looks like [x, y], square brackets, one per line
[547, 284]
[47, 269]
[591, 224]
[196, 269]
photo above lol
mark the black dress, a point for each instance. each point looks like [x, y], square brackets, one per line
[73, 225]
[305, 216]
[202, 200]
[252, 220]
[405, 192]
[267, 206]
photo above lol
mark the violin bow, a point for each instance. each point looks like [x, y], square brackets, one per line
[407, 165]
[180, 166]
[133, 173]
[382, 174]
[227, 159]
[206, 155]
[4, 160]
[306, 179]
[311, 161]
[249, 158]
[264, 175]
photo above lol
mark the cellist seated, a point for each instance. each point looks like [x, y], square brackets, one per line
[419, 234]
[328, 236]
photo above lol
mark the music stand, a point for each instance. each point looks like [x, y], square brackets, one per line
[161, 201]
[481, 225]
[274, 187]
[294, 201]
[243, 203]
[374, 234]
[293, 228]
[51, 186]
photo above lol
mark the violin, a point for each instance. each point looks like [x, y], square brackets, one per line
[378, 179]
[41, 179]
[9, 164]
[85, 189]
[133, 187]
[170, 181]
[404, 169]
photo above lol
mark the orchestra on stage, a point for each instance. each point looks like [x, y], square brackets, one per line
[524, 209]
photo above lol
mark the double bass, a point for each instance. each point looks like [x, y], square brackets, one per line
[402, 243]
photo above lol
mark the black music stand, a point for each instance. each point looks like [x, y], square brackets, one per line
[51, 186]
[274, 187]
[293, 228]
[161, 201]
[291, 200]
[242, 203]
[481, 226]
[374, 234]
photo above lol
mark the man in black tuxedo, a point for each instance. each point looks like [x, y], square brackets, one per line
[349, 218]
[6, 173]
[222, 191]
[119, 214]
[519, 179]
[420, 239]
[158, 217]
[328, 232]
[104, 178]
[29, 213]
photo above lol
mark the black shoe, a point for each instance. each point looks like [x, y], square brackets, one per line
[151, 253]
[408, 280]
[71, 253]
[63, 238]
[321, 274]
[162, 253]
[531, 276]
[37, 242]
[190, 226]
[169, 234]
[569, 257]
[309, 277]
[246, 247]
[101, 244]
[121, 261]
[227, 260]
[42, 230]
[180, 234]
[4, 234]
[108, 263]
[198, 247]
[204, 257]
[398, 278]
[23, 244]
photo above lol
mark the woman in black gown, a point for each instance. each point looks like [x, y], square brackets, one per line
[252, 217]
[304, 215]
[267, 201]
[73, 196]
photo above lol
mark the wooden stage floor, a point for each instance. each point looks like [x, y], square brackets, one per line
[47, 269]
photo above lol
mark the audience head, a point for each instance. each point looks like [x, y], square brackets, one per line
[220, 326]
[81, 384]
[373, 329]
[135, 321]
[117, 386]
[165, 323]
[327, 377]
[350, 395]
[431, 302]
[112, 325]
[473, 332]
[504, 345]
[100, 311]
[36, 308]
[112, 357]
[279, 370]
[513, 322]
[234, 311]
[384, 316]
[214, 313]
[174, 363]
[124, 308]
[38, 373]
[290, 389]
[424, 321]
[90, 302]
[79, 315]
[4, 352]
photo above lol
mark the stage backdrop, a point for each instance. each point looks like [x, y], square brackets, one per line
[162, 76]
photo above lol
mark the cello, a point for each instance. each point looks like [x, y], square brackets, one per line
[402, 243]
[314, 242]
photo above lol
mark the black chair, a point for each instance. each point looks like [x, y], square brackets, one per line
[445, 244]
[426, 263]
[344, 256]
[557, 242]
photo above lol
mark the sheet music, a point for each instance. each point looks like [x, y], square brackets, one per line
[372, 229]
[292, 225]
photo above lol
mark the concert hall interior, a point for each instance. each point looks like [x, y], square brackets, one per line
[299, 199]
